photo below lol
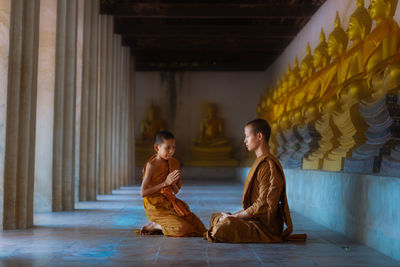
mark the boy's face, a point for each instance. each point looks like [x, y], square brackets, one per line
[251, 140]
[165, 150]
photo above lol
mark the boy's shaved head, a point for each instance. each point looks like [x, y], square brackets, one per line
[161, 136]
[260, 126]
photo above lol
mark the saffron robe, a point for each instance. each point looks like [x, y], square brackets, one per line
[264, 198]
[159, 208]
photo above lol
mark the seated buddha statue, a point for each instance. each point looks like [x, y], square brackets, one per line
[303, 81]
[211, 128]
[380, 48]
[148, 129]
[353, 87]
[211, 148]
[294, 81]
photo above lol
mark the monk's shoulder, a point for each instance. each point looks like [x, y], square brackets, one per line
[152, 164]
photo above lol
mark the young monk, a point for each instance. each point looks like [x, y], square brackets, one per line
[265, 208]
[161, 182]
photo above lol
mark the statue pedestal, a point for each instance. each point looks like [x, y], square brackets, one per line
[143, 151]
[209, 156]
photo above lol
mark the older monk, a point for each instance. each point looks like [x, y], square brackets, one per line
[265, 208]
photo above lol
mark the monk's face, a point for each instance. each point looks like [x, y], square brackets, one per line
[251, 140]
[165, 150]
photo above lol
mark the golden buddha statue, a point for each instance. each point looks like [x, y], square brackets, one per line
[327, 98]
[273, 143]
[150, 126]
[211, 128]
[353, 87]
[294, 76]
[307, 66]
[301, 80]
[321, 57]
[211, 148]
[148, 129]
[380, 46]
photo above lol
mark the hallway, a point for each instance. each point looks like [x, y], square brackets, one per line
[102, 233]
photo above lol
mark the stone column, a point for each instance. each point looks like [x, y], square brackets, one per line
[115, 61]
[64, 107]
[102, 103]
[78, 98]
[21, 115]
[108, 106]
[5, 9]
[88, 140]
[45, 105]
[118, 114]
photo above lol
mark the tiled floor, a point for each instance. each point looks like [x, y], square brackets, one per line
[101, 234]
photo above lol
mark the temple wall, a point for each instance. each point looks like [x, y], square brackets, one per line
[364, 207]
[235, 93]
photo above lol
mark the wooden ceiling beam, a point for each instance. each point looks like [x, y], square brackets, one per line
[231, 44]
[210, 10]
[209, 31]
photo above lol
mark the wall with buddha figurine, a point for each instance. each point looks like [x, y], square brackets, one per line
[335, 120]
[179, 98]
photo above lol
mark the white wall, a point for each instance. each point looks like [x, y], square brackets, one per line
[235, 93]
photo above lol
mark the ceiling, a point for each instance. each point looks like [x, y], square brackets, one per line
[208, 35]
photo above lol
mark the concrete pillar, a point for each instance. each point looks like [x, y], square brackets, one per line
[45, 106]
[88, 140]
[21, 115]
[78, 98]
[63, 185]
[108, 106]
[5, 10]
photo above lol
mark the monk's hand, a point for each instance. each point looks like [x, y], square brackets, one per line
[172, 177]
[224, 215]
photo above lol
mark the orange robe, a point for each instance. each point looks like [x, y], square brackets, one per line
[160, 209]
[263, 190]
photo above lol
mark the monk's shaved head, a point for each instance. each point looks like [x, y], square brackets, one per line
[260, 126]
[161, 136]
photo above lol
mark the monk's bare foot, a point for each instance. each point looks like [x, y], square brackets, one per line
[151, 228]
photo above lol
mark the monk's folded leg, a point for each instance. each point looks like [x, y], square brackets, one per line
[233, 230]
[176, 226]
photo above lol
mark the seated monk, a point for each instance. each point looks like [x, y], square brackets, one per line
[265, 208]
[161, 182]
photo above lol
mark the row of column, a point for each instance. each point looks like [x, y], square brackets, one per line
[82, 88]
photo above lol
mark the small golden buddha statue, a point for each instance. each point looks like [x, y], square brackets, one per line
[380, 46]
[307, 66]
[337, 44]
[150, 126]
[305, 72]
[211, 148]
[211, 128]
[321, 57]
[148, 129]
[294, 76]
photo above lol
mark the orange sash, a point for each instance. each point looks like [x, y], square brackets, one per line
[179, 207]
